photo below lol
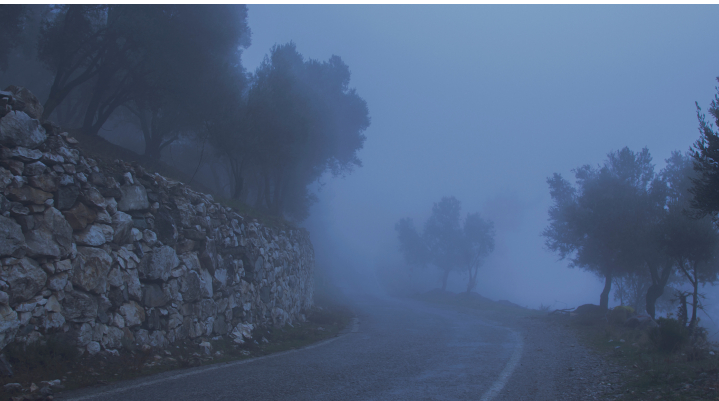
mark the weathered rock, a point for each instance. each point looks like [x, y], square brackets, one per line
[206, 308]
[19, 129]
[134, 290]
[95, 235]
[30, 104]
[159, 263]
[66, 197]
[35, 168]
[21, 153]
[190, 287]
[220, 326]
[206, 284]
[57, 282]
[50, 235]
[133, 314]
[53, 320]
[165, 227]
[80, 216]
[5, 178]
[91, 268]
[44, 182]
[191, 261]
[11, 237]
[134, 197]
[93, 197]
[93, 347]
[112, 338]
[28, 195]
[79, 307]
[9, 325]
[122, 224]
[153, 296]
[25, 278]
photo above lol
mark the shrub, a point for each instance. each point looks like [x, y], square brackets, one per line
[670, 335]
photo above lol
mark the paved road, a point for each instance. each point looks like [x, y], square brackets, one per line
[398, 350]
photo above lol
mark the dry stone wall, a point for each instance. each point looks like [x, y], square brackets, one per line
[132, 258]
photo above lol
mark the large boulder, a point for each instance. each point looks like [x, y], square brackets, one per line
[133, 313]
[19, 129]
[122, 224]
[91, 268]
[11, 237]
[25, 278]
[79, 216]
[50, 234]
[159, 263]
[26, 101]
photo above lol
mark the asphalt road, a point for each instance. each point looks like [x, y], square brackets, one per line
[397, 350]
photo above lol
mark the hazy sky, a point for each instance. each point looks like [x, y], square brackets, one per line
[484, 103]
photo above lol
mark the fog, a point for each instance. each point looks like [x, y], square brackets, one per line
[484, 103]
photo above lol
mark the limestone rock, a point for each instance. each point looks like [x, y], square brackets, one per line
[159, 263]
[133, 314]
[80, 216]
[95, 235]
[79, 307]
[11, 237]
[28, 195]
[50, 235]
[19, 129]
[134, 197]
[45, 182]
[9, 325]
[91, 268]
[25, 278]
[153, 296]
[122, 224]
[30, 103]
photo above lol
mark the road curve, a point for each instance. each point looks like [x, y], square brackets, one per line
[399, 350]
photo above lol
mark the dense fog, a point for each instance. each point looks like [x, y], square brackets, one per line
[479, 103]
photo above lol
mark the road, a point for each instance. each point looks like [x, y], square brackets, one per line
[397, 350]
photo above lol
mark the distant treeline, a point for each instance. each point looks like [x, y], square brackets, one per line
[172, 74]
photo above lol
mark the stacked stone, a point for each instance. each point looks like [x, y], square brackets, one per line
[133, 259]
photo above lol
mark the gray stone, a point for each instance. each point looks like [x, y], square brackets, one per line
[30, 104]
[133, 313]
[93, 235]
[51, 235]
[66, 197]
[21, 153]
[104, 217]
[265, 294]
[70, 155]
[9, 325]
[159, 263]
[190, 287]
[134, 197]
[35, 168]
[93, 347]
[134, 290]
[165, 227]
[19, 129]
[191, 261]
[90, 269]
[220, 326]
[112, 338]
[28, 195]
[53, 320]
[4, 298]
[206, 284]
[5, 178]
[122, 224]
[114, 278]
[206, 308]
[45, 182]
[79, 307]
[153, 296]
[11, 237]
[25, 278]
[57, 282]
[93, 197]
[80, 216]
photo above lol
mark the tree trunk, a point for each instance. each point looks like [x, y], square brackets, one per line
[695, 300]
[604, 297]
[653, 293]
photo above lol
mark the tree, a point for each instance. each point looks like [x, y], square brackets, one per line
[304, 121]
[601, 222]
[691, 243]
[477, 245]
[447, 243]
[705, 153]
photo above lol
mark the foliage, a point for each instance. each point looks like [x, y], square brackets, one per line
[670, 335]
[602, 223]
[705, 154]
[446, 242]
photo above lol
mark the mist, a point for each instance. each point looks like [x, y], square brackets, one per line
[479, 102]
[484, 103]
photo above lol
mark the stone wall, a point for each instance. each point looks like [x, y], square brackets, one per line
[128, 256]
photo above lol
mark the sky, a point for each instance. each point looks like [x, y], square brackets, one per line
[484, 103]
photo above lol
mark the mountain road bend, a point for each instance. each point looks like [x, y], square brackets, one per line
[397, 349]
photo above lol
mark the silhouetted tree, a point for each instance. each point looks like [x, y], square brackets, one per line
[691, 243]
[477, 244]
[602, 221]
[411, 244]
[304, 121]
[705, 152]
